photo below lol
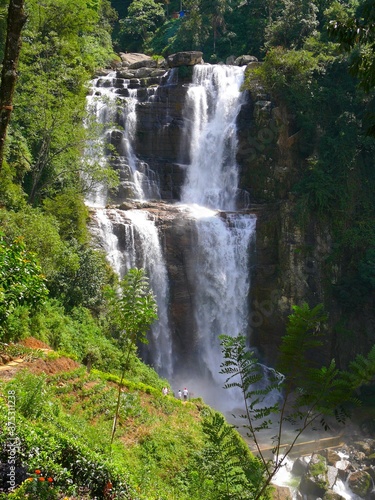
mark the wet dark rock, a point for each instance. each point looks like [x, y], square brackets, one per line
[315, 480]
[300, 466]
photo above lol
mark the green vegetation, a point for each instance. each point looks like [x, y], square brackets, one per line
[21, 283]
[63, 427]
[132, 313]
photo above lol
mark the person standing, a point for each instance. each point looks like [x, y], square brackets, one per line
[186, 393]
[179, 394]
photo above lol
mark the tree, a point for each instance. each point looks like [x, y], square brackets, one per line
[64, 42]
[144, 17]
[215, 11]
[226, 466]
[15, 22]
[133, 312]
[296, 22]
[308, 394]
[358, 32]
[21, 280]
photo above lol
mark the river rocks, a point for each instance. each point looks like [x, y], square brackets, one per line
[134, 59]
[360, 483]
[141, 69]
[281, 493]
[326, 473]
[189, 58]
[300, 466]
[315, 481]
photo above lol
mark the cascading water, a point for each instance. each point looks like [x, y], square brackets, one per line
[142, 250]
[212, 105]
[218, 273]
[222, 278]
[114, 105]
[139, 231]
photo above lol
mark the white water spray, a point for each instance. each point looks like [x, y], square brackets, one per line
[222, 253]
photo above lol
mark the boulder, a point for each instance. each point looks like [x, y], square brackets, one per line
[315, 481]
[344, 468]
[125, 74]
[244, 60]
[143, 72]
[189, 58]
[331, 455]
[133, 58]
[281, 493]
[158, 72]
[300, 466]
[332, 495]
[102, 72]
[360, 483]
[145, 63]
[364, 446]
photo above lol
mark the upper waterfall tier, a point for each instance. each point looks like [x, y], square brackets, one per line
[209, 140]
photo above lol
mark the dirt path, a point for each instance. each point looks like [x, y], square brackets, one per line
[38, 364]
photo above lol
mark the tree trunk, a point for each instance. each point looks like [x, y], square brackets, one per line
[15, 22]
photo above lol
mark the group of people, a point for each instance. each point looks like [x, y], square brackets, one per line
[181, 394]
[184, 393]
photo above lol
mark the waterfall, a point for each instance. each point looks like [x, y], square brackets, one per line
[114, 105]
[141, 248]
[217, 272]
[222, 288]
[222, 253]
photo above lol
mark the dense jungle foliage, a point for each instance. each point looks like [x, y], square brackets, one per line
[59, 289]
[46, 174]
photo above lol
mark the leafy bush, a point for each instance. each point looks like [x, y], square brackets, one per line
[31, 393]
[21, 284]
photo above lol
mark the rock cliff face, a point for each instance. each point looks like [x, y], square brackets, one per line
[294, 256]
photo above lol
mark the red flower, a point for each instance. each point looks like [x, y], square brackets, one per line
[41, 478]
[37, 471]
[49, 479]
